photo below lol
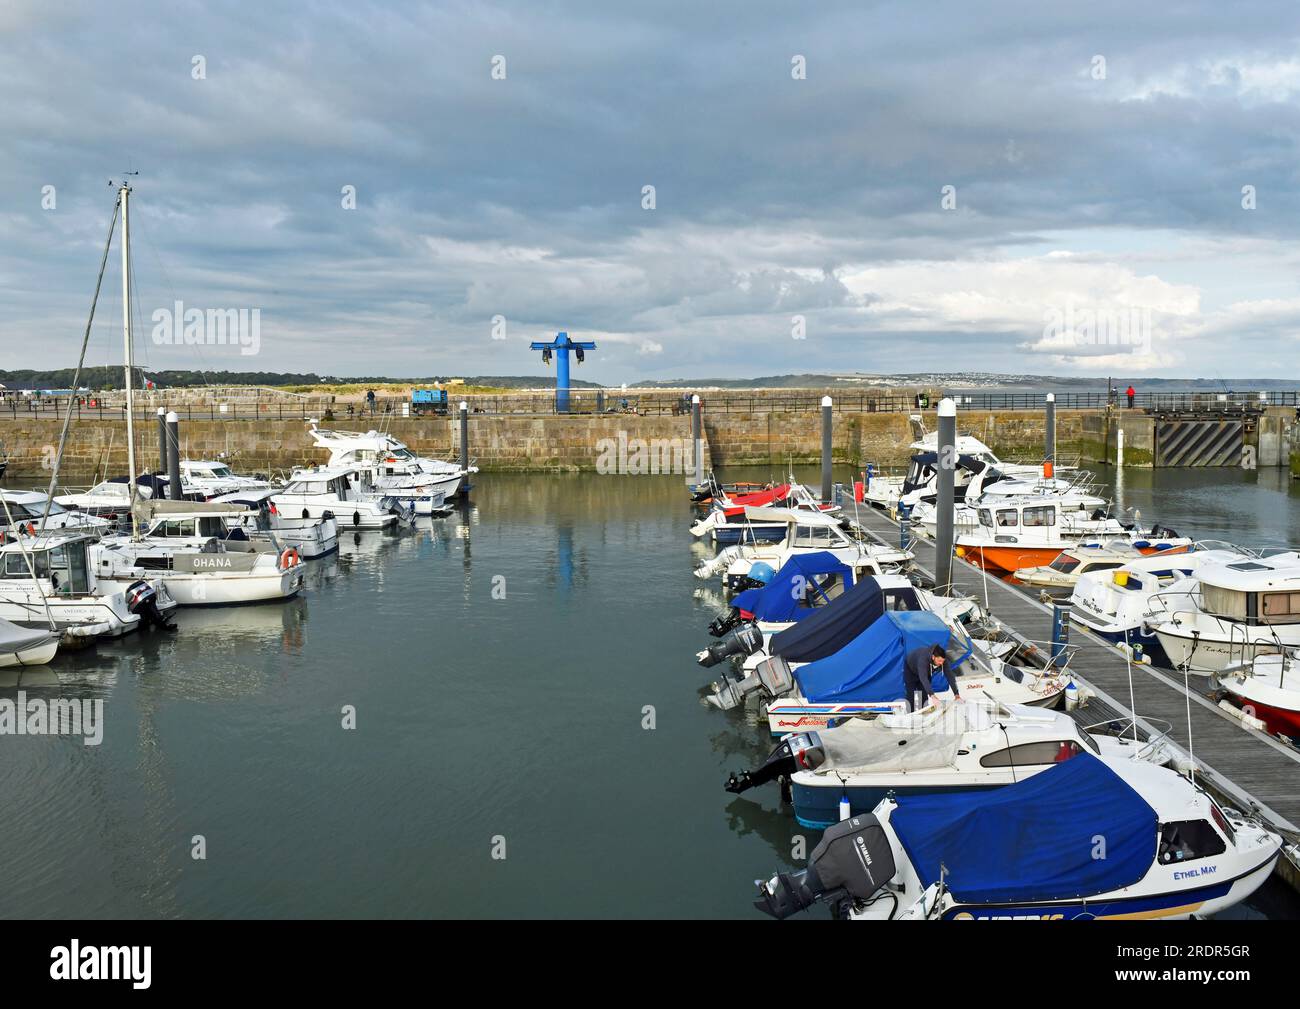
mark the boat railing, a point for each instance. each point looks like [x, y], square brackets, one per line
[1126, 725]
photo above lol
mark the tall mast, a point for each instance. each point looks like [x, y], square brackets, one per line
[125, 192]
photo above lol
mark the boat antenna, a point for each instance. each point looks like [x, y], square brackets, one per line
[1187, 695]
[76, 376]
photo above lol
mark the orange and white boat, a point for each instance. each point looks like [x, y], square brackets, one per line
[1031, 531]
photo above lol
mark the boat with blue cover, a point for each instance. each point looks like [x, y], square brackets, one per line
[1089, 838]
[957, 747]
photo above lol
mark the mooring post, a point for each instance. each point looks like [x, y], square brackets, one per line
[174, 455]
[697, 433]
[946, 504]
[464, 446]
[827, 422]
[1060, 628]
[162, 441]
[1049, 449]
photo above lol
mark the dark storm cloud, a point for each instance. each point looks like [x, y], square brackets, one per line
[522, 197]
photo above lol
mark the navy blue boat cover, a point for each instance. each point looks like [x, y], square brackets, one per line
[782, 599]
[870, 667]
[1035, 840]
[828, 629]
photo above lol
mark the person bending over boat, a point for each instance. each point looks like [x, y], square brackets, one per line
[919, 669]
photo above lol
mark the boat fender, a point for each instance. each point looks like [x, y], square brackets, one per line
[1071, 696]
[846, 810]
[356, 518]
[306, 514]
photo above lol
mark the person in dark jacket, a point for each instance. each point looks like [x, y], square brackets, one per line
[918, 670]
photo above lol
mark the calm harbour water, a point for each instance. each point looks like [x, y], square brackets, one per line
[477, 718]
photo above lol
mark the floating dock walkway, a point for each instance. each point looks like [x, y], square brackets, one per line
[1246, 768]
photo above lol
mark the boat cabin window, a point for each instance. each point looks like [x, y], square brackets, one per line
[818, 591]
[1100, 566]
[986, 517]
[208, 525]
[1279, 607]
[1064, 563]
[16, 564]
[307, 487]
[1187, 840]
[813, 536]
[1046, 752]
[1045, 516]
[1007, 518]
[68, 569]
[1221, 602]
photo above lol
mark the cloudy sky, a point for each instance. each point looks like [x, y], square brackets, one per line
[1123, 185]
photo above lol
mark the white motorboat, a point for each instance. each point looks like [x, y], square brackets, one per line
[48, 580]
[313, 538]
[1232, 612]
[1032, 530]
[730, 519]
[214, 479]
[988, 488]
[973, 458]
[1088, 838]
[184, 544]
[110, 498]
[26, 646]
[805, 532]
[1072, 563]
[29, 512]
[956, 747]
[339, 492]
[1266, 689]
[394, 467]
[1121, 605]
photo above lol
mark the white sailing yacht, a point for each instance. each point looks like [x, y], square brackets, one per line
[195, 564]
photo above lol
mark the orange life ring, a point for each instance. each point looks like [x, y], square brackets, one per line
[289, 558]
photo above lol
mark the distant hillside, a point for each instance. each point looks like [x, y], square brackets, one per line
[101, 377]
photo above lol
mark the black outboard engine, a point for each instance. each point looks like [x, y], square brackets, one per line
[724, 623]
[142, 600]
[801, 751]
[744, 640]
[851, 863]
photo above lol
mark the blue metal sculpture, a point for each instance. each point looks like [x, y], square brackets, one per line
[560, 347]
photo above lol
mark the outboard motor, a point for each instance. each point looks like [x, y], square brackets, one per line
[801, 751]
[142, 600]
[743, 640]
[852, 862]
[773, 676]
[725, 623]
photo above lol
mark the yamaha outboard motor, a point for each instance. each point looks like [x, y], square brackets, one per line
[142, 600]
[801, 751]
[744, 640]
[773, 676]
[851, 863]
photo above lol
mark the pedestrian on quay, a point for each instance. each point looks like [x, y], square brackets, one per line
[1130, 392]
